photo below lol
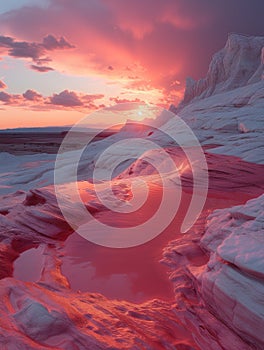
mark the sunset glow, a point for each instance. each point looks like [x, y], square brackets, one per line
[62, 59]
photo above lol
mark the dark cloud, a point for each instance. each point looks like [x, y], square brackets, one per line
[66, 98]
[41, 69]
[5, 97]
[63, 100]
[21, 48]
[51, 43]
[32, 95]
[36, 51]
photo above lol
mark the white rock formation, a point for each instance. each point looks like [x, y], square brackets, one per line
[226, 108]
[238, 64]
[232, 121]
[232, 284]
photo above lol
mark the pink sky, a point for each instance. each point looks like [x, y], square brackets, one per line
[62, 59]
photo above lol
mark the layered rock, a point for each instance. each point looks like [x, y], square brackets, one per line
[232, 284]
[238, 64]
[226, 108]
[38, 316]
[33, 216]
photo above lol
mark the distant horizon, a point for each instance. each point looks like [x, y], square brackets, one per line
[62, 127]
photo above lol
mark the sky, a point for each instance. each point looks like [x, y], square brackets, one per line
[61, 59]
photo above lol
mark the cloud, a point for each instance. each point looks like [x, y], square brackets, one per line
[2, 85]
[114, 26]
[51, 43]
[139, 84]
[21, 48]
[118, 100]
[141, 18]
[66, 98]
[112, 38]
[35, 51]
[5, 97]
[32, 95]
[89, 99]
[41, 69]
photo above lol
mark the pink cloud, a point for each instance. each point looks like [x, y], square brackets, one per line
[2, 85]
[112, 38]
[118, 100]
[141, 18]
[111, 54]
